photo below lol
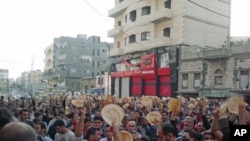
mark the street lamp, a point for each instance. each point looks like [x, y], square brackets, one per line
[108, 69]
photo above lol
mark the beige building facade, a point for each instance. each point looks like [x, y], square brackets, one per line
[214, 73]
[162, 28]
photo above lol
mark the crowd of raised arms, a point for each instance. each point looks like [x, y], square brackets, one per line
[62, 117]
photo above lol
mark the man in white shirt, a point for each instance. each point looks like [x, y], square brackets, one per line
[63, 134]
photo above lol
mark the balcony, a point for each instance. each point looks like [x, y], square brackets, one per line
[161, 15]
[221, 53]
[115, 32]
[121, 7]
[116, 51]
[146, 45]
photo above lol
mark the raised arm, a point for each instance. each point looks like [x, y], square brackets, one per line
[80, 124]
[215, 125]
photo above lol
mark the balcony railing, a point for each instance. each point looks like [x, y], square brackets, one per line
[146, 45]
[117, 31]
[116, 51]
[217, 53]
[161, 15]
[120, 7]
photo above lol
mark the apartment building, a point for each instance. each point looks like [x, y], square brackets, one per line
[4, 83]
[149, 34]
[70, 60]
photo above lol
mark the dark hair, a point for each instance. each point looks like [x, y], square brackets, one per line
[70, 115]
[59, 123]
[208, 133]
[191, 133]
[87, 119]
[30, 123]
[88, 114]
[98, 118]
[22, 110]
[144, 138]
[41, 123]
[91, 131]
[37, 114]
[107, 125]
[168, 128]
[5, 117]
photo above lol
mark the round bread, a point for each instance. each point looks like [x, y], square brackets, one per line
[154, 117]
[233, 104]
[112, 112]
[78, 103]
[147, 102]
[125, 136]
[174, 105]
[223, 108]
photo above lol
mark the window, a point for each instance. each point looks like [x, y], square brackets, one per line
[163, 60]
[166, 32]
[135, 61]
[118, 44]
[126, 18]
[119, 23]
[98, 52]
[121, 1]
[145, 36]
[132, 38]
[118, 67]
[167, 4]
[133, 16]
[184, 80]
[125, 41]
[218, 78]
[244, 79]
[145, 10]
[197, 80]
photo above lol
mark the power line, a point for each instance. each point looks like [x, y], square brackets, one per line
[17, 63]
[115, 26]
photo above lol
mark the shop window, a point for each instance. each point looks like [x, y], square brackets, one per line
[145, 10]
[133, 15]
[184, 80]
[132, 38]
[163, 60]
[167, 4]
[197, 80]
[166, 32]
[244, 79]
[218, 77]
[145, 36]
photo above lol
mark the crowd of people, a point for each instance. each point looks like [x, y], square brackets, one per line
[66, 118]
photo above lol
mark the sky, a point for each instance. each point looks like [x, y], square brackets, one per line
[27, 27]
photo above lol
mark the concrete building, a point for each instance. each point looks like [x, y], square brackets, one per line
[71, 60]
[154, 31]
[214, 72]
[36, 83]
[4, 83]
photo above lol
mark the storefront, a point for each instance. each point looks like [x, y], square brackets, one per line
[140, 74]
